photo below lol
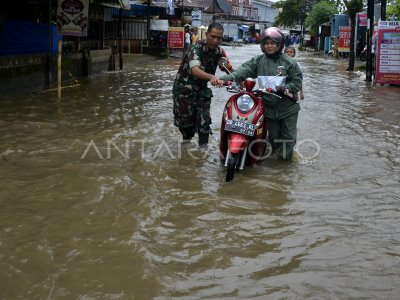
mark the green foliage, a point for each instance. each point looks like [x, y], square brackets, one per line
[289, 12]
[353, 6]
[393, 9]
[320, 13]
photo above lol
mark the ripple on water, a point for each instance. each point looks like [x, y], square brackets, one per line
[161, 223]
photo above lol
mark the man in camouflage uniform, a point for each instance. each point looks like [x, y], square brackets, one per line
[192, 97]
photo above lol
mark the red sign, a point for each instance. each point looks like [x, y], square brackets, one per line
[175, 37]
[388, 53]
[362, 19]
[344, 39]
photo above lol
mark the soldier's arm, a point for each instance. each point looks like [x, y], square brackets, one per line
[199, 73]
[195, 67]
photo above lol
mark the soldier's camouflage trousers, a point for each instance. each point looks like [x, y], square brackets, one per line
[193, 111]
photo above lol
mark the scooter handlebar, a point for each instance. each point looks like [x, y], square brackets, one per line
[232, 87]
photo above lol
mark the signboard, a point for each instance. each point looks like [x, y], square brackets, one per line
[72, 17]
[344, 39]
[160, 25]
[196, 15]
[196, 23]
[175, 37]
[362, 19]
[388, 53]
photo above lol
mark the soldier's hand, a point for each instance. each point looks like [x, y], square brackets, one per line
[214, 81]
[220, 83]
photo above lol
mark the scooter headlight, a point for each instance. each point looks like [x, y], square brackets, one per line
[245, 103]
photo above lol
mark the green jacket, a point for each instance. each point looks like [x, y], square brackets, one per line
[262, 65]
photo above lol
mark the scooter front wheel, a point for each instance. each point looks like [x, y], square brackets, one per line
[231, 167]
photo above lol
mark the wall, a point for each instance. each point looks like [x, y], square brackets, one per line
[26, 74]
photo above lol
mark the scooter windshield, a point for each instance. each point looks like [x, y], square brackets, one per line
[271, 82]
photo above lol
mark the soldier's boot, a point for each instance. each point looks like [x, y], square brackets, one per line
[187, 133]
[203, 140]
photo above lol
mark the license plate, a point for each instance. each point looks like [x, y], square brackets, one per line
[240, 127]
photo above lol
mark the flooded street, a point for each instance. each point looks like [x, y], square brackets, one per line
[99, 200]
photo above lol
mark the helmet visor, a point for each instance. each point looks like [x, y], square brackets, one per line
[273, 34]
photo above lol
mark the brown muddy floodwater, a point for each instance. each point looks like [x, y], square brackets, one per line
[99, 200]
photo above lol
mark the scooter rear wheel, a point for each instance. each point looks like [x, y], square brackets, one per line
[230, 172]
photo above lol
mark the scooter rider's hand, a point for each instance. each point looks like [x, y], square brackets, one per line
[282, 90]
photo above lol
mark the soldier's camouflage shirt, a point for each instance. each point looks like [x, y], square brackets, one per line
[203, 57]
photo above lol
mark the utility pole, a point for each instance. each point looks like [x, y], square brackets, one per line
[303, 16]
[183, 11]
[370, 32]
[148, 25]
[48, 58]
[383, 10]
[121, 65]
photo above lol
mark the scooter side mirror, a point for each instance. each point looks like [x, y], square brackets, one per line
[222, 62]
[281, 71]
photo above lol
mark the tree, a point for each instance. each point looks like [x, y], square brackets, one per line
[393, 9]
[289, 12]
[353, 7]
[319, 14]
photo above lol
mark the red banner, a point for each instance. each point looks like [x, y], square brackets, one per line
[175, 37]
[344, 38]
[362, 19]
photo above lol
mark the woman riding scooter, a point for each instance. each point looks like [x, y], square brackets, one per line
[281, 113]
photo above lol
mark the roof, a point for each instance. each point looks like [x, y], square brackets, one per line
[217, 6]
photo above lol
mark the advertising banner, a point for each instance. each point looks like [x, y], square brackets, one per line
[159, 25]
[344, 39]
[388, 53]
[175, 37]
[362, 19]
[72, 17]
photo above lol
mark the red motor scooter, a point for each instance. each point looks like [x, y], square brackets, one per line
[243, 127]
